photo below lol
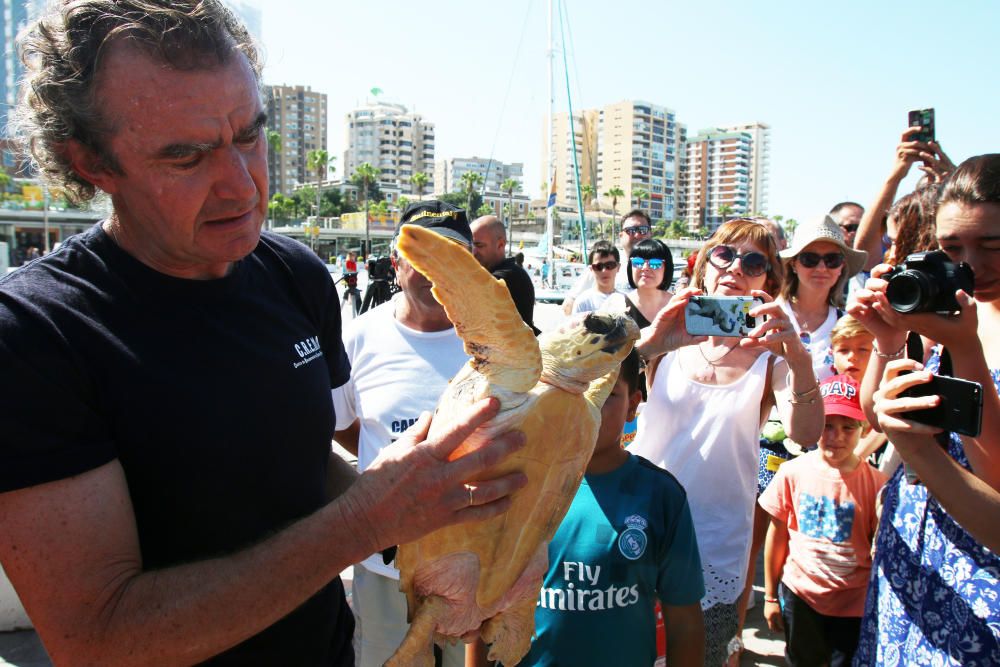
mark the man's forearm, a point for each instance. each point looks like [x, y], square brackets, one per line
[188, 613]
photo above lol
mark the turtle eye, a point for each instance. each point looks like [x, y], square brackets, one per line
[598, 324]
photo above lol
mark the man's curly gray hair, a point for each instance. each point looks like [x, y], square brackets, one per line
[62, 54]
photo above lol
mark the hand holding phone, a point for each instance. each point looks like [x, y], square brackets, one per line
[960, 409]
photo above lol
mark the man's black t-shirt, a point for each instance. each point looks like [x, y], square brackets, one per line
[213, 395]
[520, 288]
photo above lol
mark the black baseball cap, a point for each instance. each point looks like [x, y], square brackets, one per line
[447, 220]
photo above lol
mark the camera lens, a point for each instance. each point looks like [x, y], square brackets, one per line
[910, 292]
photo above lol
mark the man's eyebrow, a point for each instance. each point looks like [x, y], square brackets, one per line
[253, 129]
[183, 149]
[954, 237]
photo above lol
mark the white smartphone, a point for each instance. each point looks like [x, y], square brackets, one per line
[720, 315]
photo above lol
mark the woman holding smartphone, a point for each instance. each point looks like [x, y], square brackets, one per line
[708, 399]
[935, 593]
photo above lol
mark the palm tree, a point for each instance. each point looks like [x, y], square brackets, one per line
[470, 182]
[364, 176]
[614, 193]
[320, 162]
[419, 181]
[587, 192]
[274, 140]
[509, 186]
[638, 194]
[725, 210]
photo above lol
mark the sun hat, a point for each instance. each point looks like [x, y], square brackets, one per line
[824, 229]
[449, 221]
[842, 396]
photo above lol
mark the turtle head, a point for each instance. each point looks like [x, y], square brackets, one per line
[586, 348]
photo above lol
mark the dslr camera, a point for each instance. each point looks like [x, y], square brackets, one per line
[926, 282]
[380, 268]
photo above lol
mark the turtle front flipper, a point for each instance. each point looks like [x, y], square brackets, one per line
[502, 346]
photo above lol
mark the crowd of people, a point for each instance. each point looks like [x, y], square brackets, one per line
[186, 507]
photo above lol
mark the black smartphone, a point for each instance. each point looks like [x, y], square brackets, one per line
[720, 315]
[924, 118]
[961, 408]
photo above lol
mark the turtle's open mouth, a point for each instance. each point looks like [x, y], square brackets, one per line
[612, 327]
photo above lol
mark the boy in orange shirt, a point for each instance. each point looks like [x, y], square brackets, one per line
[823, 519]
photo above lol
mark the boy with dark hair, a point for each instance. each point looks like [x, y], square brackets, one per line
[823, 521]
[626, 540]
[604, 261]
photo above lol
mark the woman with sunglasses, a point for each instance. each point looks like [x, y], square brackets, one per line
[933, 596]
[650, 271]
[817, 266]
[708, 399]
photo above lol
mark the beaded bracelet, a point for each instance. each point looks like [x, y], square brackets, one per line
[895, 355]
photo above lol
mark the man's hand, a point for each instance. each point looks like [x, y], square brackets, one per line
[412, 488]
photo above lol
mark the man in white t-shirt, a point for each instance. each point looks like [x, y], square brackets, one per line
[402, 353]
[636, 226]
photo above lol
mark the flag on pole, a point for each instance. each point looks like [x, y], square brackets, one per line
[552, 191]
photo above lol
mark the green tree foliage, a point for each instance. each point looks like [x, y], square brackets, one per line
[419, 181]
[471, 182]
[461, 200]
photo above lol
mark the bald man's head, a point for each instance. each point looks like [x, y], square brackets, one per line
[489, 241]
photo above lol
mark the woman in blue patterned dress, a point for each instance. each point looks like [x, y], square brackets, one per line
[934, 596]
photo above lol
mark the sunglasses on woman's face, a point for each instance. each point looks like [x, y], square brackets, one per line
[654, 264]
[752, 263]
[610, 265]
[810, 260]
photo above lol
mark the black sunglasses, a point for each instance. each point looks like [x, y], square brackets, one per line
[810, 260]
[609, 265]
[752, 263]
[637, 229]
[849, 228]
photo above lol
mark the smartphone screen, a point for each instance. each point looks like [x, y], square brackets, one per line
[924, 118]
[720, 315]
[961, 408]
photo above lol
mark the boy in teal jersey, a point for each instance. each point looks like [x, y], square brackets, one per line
[626, 540]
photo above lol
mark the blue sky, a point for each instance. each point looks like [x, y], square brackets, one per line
[834, 80]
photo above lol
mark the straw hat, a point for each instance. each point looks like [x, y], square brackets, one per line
[824, 229]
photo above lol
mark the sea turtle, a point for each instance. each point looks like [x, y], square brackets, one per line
[486, 576]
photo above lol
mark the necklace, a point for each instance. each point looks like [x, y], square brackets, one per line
[707, 373]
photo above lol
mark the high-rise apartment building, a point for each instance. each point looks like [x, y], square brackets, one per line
[448, 173]
[724, 174]
[389, 137]
[298, 115]
[632, 145]
[14, 15]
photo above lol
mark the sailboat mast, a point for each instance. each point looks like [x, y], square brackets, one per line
[549, 237]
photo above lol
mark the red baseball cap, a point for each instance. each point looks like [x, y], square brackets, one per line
[842, 396]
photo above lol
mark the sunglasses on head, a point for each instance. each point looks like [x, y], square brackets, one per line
[654, 264]
[636, 230]
[811, 260]
[752, 263]
[609, 265]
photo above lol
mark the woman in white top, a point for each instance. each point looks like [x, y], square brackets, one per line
[817, 266]
[707, 401]
[650, 271]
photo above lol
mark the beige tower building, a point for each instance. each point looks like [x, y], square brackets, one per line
[298, 115]
[724, 174]
[389, 137]
[632, 145]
